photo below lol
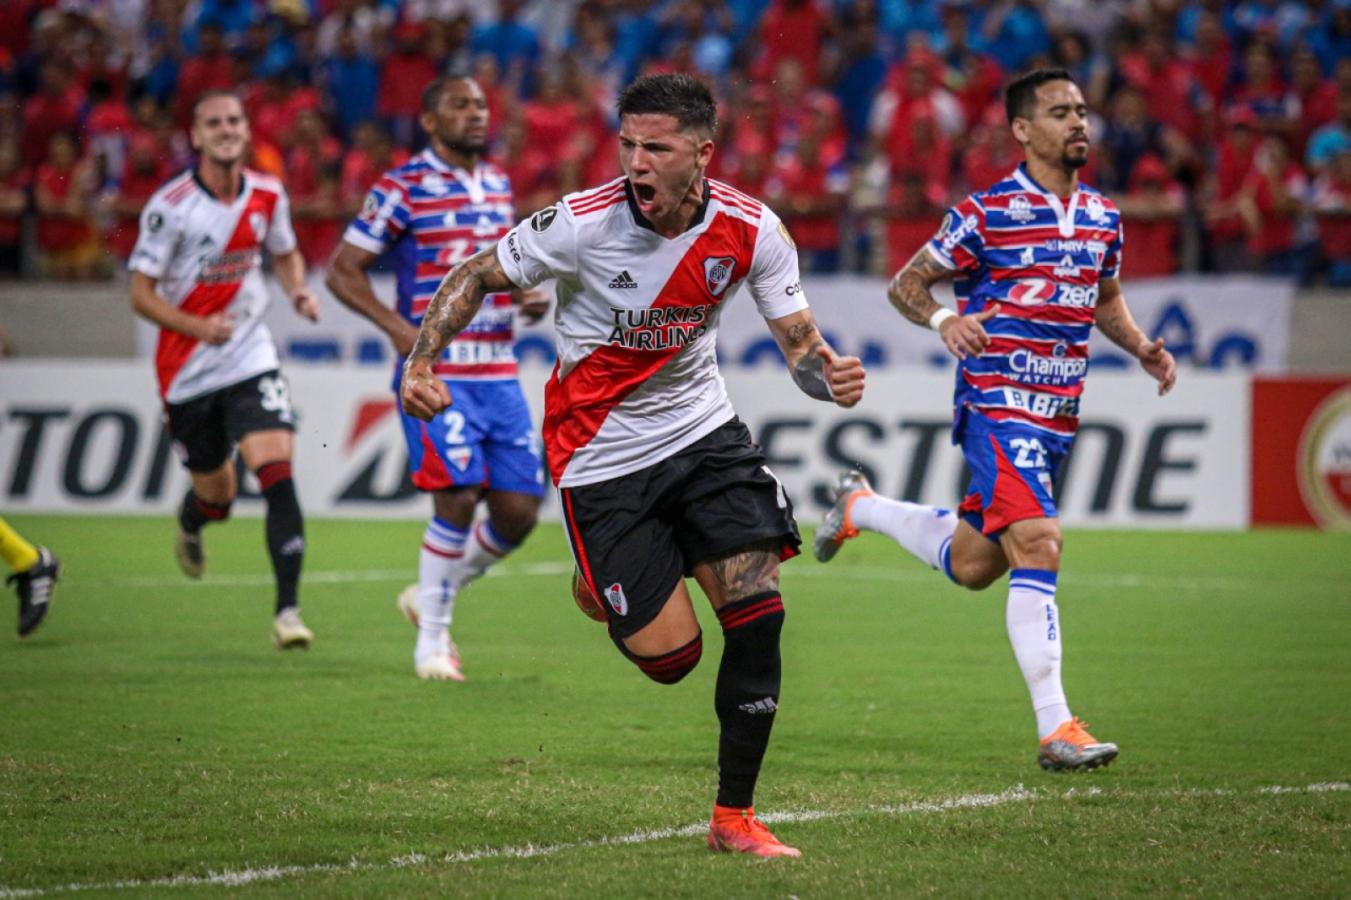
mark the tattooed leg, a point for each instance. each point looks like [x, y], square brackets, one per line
[747, 694]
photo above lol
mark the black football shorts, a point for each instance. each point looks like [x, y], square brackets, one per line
[206, 429]
[634, 537]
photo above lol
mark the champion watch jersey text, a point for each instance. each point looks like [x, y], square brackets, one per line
[1041, 261]
[434, 216]
[637, 379]
[204, 254]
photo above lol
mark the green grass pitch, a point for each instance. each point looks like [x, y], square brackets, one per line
[152, 742]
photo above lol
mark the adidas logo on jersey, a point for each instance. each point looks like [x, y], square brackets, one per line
[623, 280]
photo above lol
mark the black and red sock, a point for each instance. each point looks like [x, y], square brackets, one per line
[194, 513]
[285, 529]
[747, 693]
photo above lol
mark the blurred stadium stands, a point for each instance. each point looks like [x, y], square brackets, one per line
[1222, 128]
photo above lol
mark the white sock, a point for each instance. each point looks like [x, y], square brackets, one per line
[925, 531]
[443, 550]
[1033, 622]
[483, 548]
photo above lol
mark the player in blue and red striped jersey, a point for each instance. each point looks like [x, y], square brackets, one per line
[1035, 260]
[441, 207]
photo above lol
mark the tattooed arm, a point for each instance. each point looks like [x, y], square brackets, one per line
[1113, 318]
[814, 366]
[454, 305]
[909, 293]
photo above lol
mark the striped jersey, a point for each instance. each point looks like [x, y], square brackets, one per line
[637, 378]
[432, 216]
[1041, 261]
[204, 255]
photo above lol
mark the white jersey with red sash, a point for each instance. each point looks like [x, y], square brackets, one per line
[205, 254]
[637, 377]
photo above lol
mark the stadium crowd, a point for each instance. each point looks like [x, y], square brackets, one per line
[1222, 129]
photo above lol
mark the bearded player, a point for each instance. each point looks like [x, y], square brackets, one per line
[1036, 260]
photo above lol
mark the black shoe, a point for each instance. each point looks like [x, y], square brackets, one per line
[36, 587]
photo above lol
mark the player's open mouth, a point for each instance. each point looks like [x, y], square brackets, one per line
[646, 194]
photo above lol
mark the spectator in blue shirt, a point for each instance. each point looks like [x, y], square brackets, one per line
[513, 44]
[352, 79]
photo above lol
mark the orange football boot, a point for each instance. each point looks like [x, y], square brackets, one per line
[1071, 748]
[735, 830]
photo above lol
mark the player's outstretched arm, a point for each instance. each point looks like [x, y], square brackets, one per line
[148, 304]
[910, 293]
[452, 307]
[1114, 319]
[814, 366]
[348, 281]
[290, 269]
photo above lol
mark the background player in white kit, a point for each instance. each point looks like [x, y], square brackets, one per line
[195, 274]
[657, 477]
[1036, 259]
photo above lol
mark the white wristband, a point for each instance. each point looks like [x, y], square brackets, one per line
[940, 317]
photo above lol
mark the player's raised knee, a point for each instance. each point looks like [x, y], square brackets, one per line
[669, 668]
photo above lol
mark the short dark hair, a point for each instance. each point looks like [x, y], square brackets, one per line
[1020, 97]
[212, 94]
[679, 95]
[431, 94]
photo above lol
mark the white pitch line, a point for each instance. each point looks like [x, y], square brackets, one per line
[559, 568]
[1019, 794]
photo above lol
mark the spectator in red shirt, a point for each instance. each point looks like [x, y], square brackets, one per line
[101, 63]
[403, 75]
[1152, 210]
[1317, 98]
[1171, 93]
[754, 163]
[910, 217]
[313, 163]
[530, 168]
[211, 69]
[914, 119]
[793, 29]
[275, 105]
[54, 108]
[1332, 206]
[992, 153]
[372, 154]
[142, 175]
[1210, 58]
[1221, 193]
[809, 195]
[107, 126]
[1271, 203]
[13, 203]
[1262, 92]
[64, 194]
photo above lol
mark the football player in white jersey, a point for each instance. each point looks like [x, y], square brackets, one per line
[195, 274]
[657, 477]
[1035, 259]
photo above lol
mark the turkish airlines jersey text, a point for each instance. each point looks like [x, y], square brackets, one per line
[1041, 261]
[205, 254]
[435, 216]
[637, 379]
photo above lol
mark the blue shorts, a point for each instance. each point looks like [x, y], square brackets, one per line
[1013, 469]
[485, 438]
